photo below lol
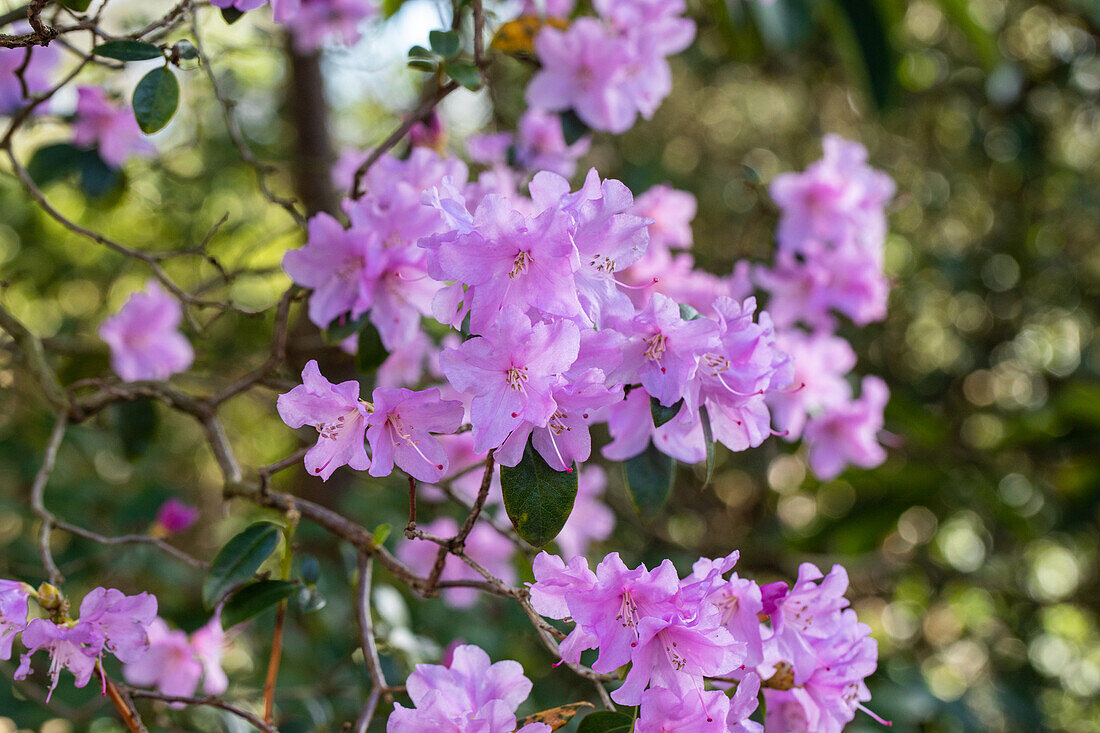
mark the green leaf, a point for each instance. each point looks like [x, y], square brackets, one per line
[606, 721]
[381, 533]
[97, 179]
[371, 351]
[238, 560]
[255, 598]
[419, 52]
[708, 438]
[688, 313]
[231, 15]
[872, 40]
[538, 499]
[573, 128]
[128, 51]
[445, 43]
[344, 326]
[662, 414]
[136, 423]
[464, 73]
[649, 478]
[390, 7]
[78, 5]
[53, 162]
[156, 98]
[422, 65]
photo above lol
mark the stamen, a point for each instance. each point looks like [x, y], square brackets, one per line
[624, 286]
[877, 718]
[568, 468]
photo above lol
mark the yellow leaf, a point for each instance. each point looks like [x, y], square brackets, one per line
[517, 38]
[556, 717]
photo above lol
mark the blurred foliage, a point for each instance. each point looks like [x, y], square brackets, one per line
[973, 550]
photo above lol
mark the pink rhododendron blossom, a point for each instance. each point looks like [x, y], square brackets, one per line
[314, 22]
[37, 74]
[174, 516]
[242, 5]
[471, 695]
[512, 373]
[820, 361]
[176, 663]
[399, 431]
[144, 337]
[74, 649]
[337, 413]
[485, 545]
[671, 212]
[848, 434]
[541, 146]
[671, 711]
[108, 126]
[13, 613]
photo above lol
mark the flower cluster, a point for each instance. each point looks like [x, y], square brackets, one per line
[802, 644]
[470, 695]
[831, 236]
[109, 127]
[144, 336]
[610, 68]
[313, 22]
[176, 662]
[109, 622]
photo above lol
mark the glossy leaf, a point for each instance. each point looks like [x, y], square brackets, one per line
[649, 477]
[255, 598]
[662, 414]
[573, 128]
[78, 5]
[606, 721]
[238, 560]
[52, 162]
[128, 51]
[875, 50]
[156, 98]
[464, 73]
[344, 326]
[445, 43]
[538, 499]
[371, 351]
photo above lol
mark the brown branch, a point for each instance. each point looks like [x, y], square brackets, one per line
[212, 702]
[124, 705]
[370, 647]
[273, 664]
[38, 491]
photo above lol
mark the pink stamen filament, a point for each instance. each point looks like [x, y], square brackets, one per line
[648, 285]
[877, 718]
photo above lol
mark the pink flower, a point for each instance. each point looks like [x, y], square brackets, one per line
[471, 695]
[668, 711]
[630, 423]
[663, 349]
[316, 21]
[511, 373]
[111, 127]
[337, 413]
[74, 649]
[13, 613]
[37, 74]
[175, 663]
[144, 337]
[541, 146]
[671, 211]
[242, 5]
[821, 361]
[508, 260]
[174, 516]
[585, 68]
[848, 434]
[399, 431]
[485, 546]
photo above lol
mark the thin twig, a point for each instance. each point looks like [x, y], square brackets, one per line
[123, 704]
[38, 491]
[212, 702]
[370, 647]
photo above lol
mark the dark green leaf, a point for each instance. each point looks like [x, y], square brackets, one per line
[344, 326]
[381, 533]
[136, 423]
[52, 162]
[255, 598]
[649, 478]
[422, 65]
[128, 51]
[538, 499]
[231, 15]
[662, 414]
[156, 98]
[872, 39]
[688, 313]
[186, 49]
[606, 721]
[78, 5]
[419, 52]
[96, 177]
[238, 560]
[445, 43]
[573, 128]
[371, 352]
[464, 73]
[708, 439]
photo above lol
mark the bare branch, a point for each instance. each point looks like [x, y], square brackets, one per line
[212, 702]
[370, 647]
[38, 491]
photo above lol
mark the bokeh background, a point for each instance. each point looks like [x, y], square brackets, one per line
[972, 550]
